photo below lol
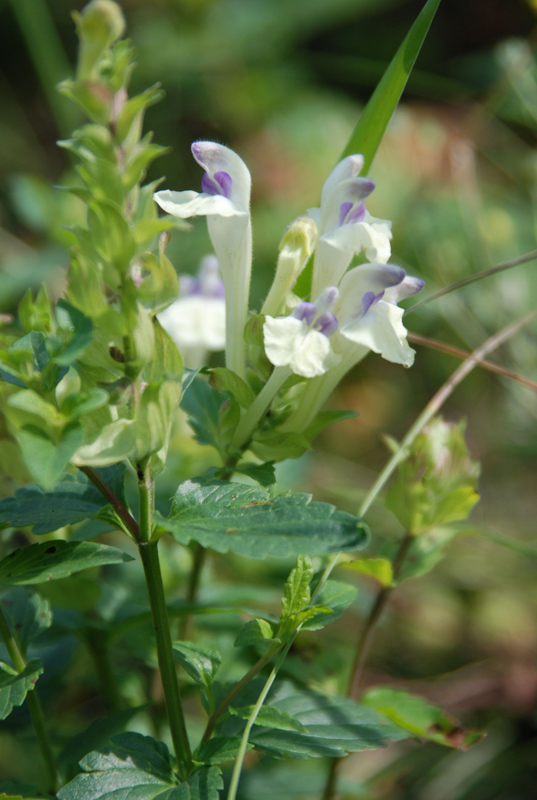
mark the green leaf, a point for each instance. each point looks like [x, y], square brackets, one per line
[201, 663]
[264, 474]
[160, 285]
[271, 717]
[27, 613]
[156, 411]
[374, 119]
[14, 687]
[95, 735]
[202, 404]
[69, 502]
[15, 790]
[219, 749]
[417, 716]
[426, 551]
[296, 593]
[70, 318]
[255, 631]
[335, 726]
[326, 418]
[333, 599]
[225, 380]
[52, 560]
[111, 236]
[134, 107]
[116, 442]
[247, 520]
[136, 767]
[378, 568]
[167, 364]
[277, 446]
[46, 460]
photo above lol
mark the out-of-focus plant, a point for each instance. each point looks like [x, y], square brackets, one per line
[90, 392]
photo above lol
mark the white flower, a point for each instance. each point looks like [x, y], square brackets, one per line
[345, 226]
[301, 341]
[225, 201]
[196, 321]
[324, 344]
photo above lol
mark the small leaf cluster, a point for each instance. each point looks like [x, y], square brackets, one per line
[94, 379]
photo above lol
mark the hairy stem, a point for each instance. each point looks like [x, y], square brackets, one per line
[157, 601]
[34, 705]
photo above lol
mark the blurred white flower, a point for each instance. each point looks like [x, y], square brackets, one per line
[196, 321]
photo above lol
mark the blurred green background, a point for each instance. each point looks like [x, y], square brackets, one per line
[282, 82]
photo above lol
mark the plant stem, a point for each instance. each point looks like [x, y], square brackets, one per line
[157, 601]
[368, 631]
[34, 706]
[438, 400]
[122, 512]
[215, 716]
[237, 768]
[362, 648]
[477, 276]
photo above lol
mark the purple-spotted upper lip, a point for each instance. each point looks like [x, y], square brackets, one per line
[220, 183]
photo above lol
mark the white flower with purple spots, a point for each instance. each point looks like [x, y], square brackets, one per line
[368, 319]
[301, 341]
[345, 226]
[225, 201]
[196, 321]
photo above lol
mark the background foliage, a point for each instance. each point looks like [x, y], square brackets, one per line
[281, 82]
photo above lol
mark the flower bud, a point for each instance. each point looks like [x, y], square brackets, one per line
[436, 483]
[296, 247]
[99, 25]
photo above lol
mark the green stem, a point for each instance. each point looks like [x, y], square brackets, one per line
[362, 649]
[215, 716]
[122, 512]
[34, 705]
[157, 601]
[237, 768]
[438, 400]
[255, 412]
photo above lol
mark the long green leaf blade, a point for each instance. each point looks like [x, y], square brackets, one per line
[368, 133]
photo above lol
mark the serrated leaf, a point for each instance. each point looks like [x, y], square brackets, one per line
[28, 614]
[95, 735]
[378, 568]
[52, 560]
[225, 380]
[334, 598]
[201, 663]
[70, 501]
[247, 520]
[255, 631]
[296, 593]
[136, 767]
[14, 688]
[417, 716]
[374, 119]
[271, 717]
